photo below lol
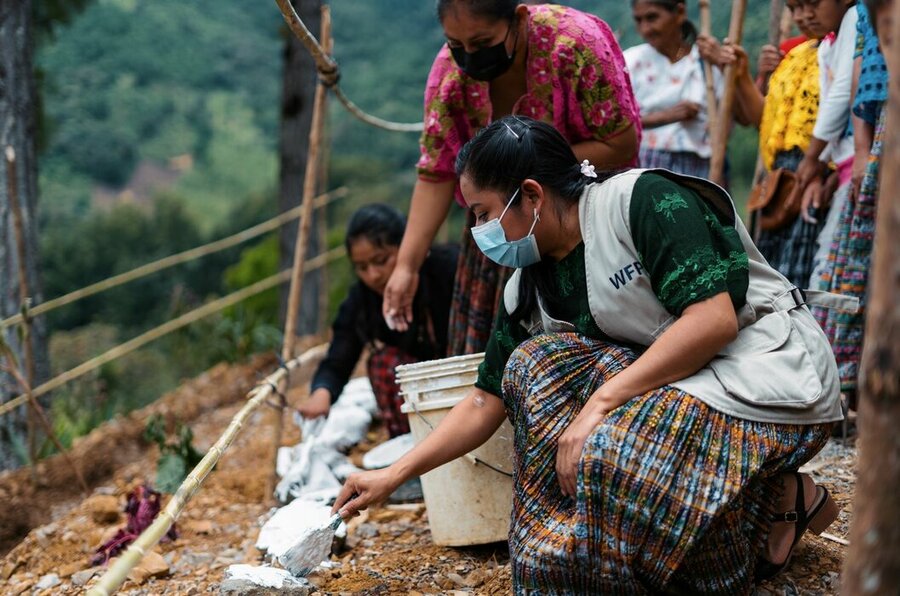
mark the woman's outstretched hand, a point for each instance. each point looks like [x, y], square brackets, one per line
[571, 445]
[317, 405]
[364, 489]
[398, 298]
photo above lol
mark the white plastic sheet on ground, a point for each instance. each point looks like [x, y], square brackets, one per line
[315, 468]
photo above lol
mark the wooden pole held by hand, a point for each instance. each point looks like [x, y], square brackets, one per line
[723, 128]
[712, 107]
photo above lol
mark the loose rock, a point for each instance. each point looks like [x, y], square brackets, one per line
[152, 565]
[82, 577]
[104, 509]
[47, 581]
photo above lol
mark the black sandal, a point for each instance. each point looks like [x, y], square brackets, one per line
[820, 515]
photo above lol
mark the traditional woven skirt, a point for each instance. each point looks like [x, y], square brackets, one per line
[681, 162]
[476, 296]
[849, 261]
[824, 259]
[380, 369]
[673, 496]
[791, 249]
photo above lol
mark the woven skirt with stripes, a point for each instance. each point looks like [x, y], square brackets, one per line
[476, 296]
[850, 260]
[681, 162]
[380, 368]
[673, 496]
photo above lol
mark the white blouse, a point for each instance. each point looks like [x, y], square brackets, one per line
[835, 81]
[659, 84]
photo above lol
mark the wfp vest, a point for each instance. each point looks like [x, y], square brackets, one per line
[780, 368]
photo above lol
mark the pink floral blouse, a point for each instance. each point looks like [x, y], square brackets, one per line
[576, 80]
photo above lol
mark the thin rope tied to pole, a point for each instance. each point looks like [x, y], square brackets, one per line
[169, 327]
[329, 72]
[115, 576]
[173, 260]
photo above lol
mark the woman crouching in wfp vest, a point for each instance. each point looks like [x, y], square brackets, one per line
[664, 383]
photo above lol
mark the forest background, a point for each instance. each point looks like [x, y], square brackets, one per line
[159, 132]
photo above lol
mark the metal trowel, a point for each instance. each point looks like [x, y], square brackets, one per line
[311, 548]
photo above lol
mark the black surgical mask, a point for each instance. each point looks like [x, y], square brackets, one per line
[487, 63]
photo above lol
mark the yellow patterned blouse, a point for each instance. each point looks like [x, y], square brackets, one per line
[792, 103]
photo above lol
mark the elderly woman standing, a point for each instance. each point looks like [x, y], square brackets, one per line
[548, 62]
[670, 88]
[663, 382]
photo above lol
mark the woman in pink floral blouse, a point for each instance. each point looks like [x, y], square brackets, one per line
[548, 62]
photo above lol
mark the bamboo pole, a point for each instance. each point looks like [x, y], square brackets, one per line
[872, 565]
[115, 576]
[309, 188]
[711, 100]
[300, 244]
[24, 299]
[720, 142]
[176, 259]
[170, 326]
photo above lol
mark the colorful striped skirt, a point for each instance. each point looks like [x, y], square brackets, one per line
[791, 249]
[380, 369]
[673, 496]
[476, 296]
[681, 162]
[847, 271]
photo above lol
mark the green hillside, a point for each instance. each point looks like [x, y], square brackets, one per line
[129, 81]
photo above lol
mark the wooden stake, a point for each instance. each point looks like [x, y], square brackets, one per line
[35, 411]
[780, 25]
[27, 349]
[309, 189]
[712, 107]
[723, 129]
[872, 566]
[776, 12]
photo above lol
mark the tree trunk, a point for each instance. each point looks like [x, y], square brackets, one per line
[299, 86]
[873, 563]
[18, 129]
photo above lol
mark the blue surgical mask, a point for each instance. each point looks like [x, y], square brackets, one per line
[491, 239]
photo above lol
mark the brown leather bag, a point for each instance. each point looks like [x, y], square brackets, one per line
[777, 199]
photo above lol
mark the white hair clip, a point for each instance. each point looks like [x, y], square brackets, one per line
[587, 169]
[518, 138]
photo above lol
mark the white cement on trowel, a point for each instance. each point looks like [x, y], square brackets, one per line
[264, 576]
[311, 548]
[290, 523]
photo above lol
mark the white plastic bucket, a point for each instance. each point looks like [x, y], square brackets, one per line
[469, 500]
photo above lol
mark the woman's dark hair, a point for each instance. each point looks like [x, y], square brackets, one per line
[493, 10]
[688, 29]
[873, 6]
[380, 224]
[502, 155]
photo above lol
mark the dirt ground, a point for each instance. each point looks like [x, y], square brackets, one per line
[388, 550]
